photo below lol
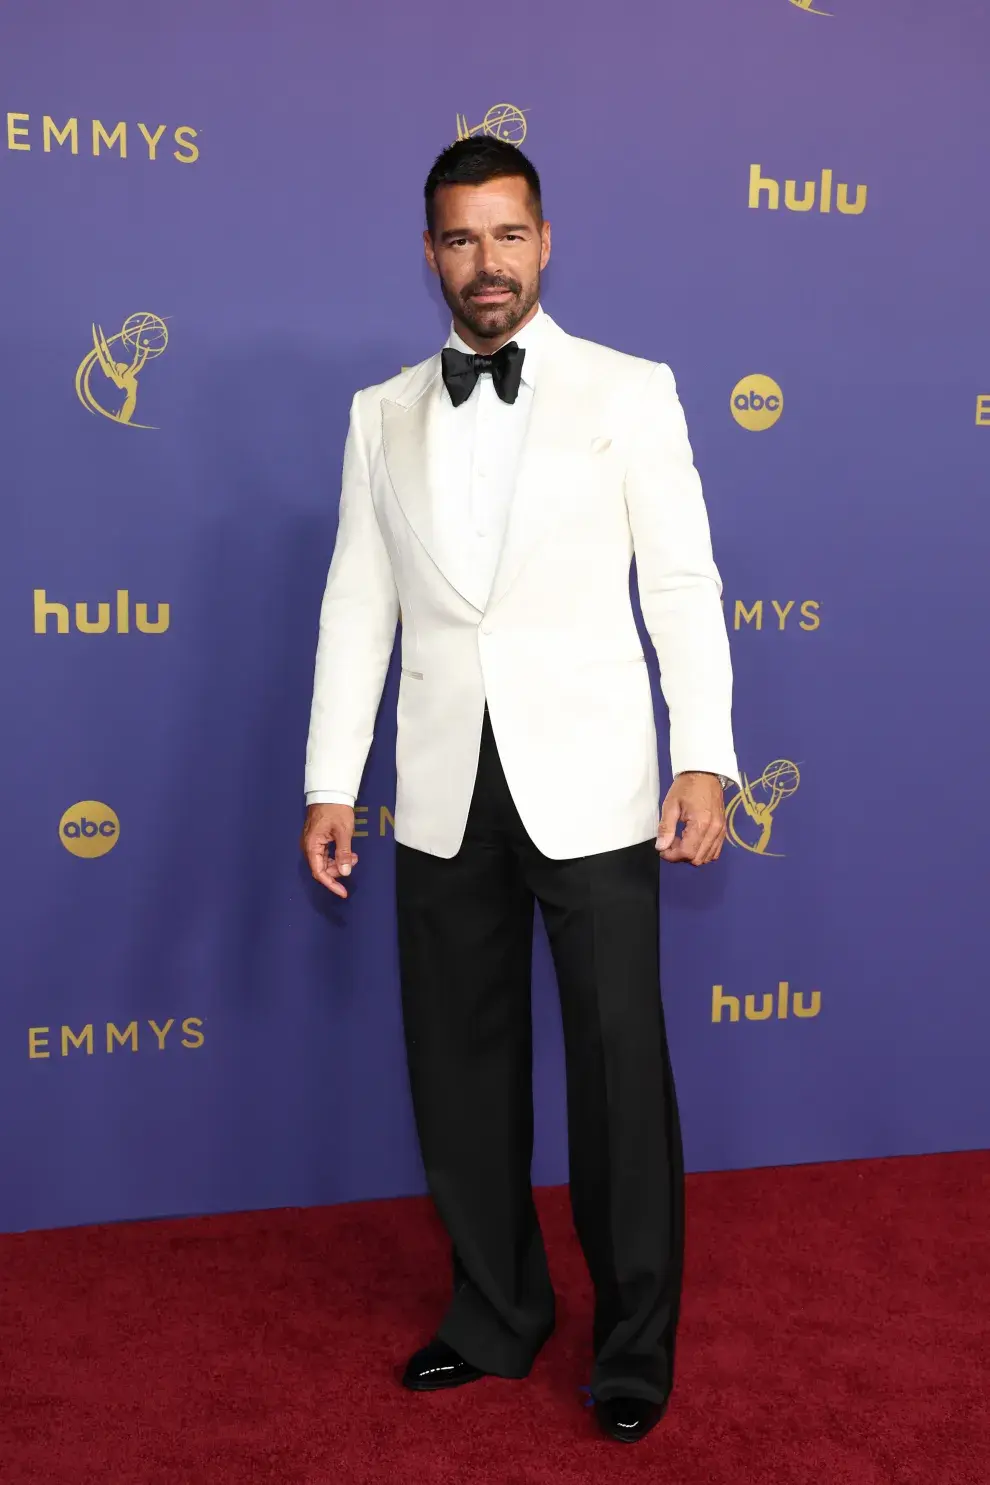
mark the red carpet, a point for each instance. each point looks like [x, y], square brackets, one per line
[836, 1331]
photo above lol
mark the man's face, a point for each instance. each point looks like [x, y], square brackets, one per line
[488, 249]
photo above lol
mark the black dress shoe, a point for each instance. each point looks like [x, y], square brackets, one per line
[438, 1365]
[629, 1418]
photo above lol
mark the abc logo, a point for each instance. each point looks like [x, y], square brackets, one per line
[756, 402]
[89, 828]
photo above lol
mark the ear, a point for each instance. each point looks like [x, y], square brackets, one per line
[544, 245]
[431, 256]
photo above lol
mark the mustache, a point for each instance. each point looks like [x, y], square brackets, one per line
[491, 281]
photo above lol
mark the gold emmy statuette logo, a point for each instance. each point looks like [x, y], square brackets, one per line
[759, 800]
[502, 121]
[809, 7]
[143, 337]
[756, 402]
[89, 828]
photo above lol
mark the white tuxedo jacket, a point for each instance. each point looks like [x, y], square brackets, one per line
[606, 472]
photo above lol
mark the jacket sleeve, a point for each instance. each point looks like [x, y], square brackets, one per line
[358, 618]
[679, 584]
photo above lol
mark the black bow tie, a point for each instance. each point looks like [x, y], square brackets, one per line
[461, 371]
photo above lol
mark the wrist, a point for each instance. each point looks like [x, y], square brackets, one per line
[724, 782]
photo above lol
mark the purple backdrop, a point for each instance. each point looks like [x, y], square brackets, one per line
[273, 239]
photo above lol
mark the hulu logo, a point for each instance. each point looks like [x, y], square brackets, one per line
[87, 623]
[786, 1003]
[758, 184]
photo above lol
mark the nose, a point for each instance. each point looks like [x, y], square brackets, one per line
[488, 255]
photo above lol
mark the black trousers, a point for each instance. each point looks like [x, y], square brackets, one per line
[465, 945]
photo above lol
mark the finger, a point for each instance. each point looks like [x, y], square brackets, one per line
[711, 849]
[321, 867]
[718, 849]
[331, 878]
[325, 869]
[337, 888]
[667, 828]
[337, 869]
[676, 852]
[715, 844]
[707, 843]
[342, 854]
[695, 835]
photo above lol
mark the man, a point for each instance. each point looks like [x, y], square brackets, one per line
[493, 497]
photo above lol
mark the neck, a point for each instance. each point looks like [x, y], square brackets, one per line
[487, 346]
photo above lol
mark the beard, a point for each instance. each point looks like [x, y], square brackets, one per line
[496, 321]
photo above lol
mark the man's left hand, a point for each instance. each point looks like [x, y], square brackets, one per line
[696, 799]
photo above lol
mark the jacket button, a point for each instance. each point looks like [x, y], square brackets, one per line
[486, 629]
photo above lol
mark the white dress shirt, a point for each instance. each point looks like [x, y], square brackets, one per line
[473, 465]
[476, 455]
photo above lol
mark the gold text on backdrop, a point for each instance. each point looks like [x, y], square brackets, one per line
[760, 183]
[25, 134]
[46, 609]
[787, 1003]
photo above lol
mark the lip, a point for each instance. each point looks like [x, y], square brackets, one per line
[492, 296]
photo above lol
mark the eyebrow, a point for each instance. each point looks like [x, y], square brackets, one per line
[502, 227]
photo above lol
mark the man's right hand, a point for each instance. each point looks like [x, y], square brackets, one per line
[329, 825]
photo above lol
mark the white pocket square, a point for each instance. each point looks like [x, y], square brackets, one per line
[599, 445]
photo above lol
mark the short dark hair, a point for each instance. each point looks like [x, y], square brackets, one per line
[476, 160]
